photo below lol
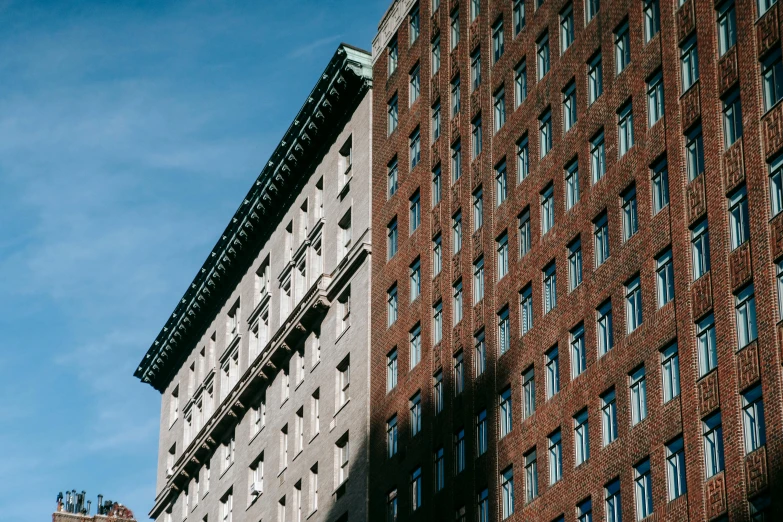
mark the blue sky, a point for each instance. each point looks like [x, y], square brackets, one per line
[129, 133]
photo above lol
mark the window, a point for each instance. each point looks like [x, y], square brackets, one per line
[284, 447]
[436, 55]
[393, 112]
[608, 417]
[344, 302]
[547, 209]
[437, 322]
[415, 85]
[765, 5]
[437, 388]
[779, 277]
[694, 153]
[660, 185]
[474, 9]
[542, 52]
[481, 353]
[700, 249]
[552, 373]
[414, 20]
[776, 185]
[174, 406]
[498, 43]
[759, 507]
[415, 346]
[625, 128]
[281, 516]
[745, 307]
[569, 106]
[598, 157]
[507, 492]
[643, 487]
[652, 19]
[545, 132]
[633, 304]
[705, 342]
[391, 238]
[391, 304]
[454, 25]
[478, 280]
[638, 396]
[394, 54]
[595, 82]
[415, 148]
[523, 163]
[675, 468]
[436, 125]
[574, 264]
[456, 161]
[343, 381]
[414, 405]
[519, 16]
[531, 476]
[727, 26]
[256, 479]
[578, 353]
[483, 505]
[655, 96]
[459, 373]
[555, 457]
[227, 506]
[455, 99]
[566, 28]
[622, 47]
[630, 213]
[520, 82]
[550, 288]
[457, 313]
[475, 70]
[581, 438]
[605, 330]
[229, 448]
[524, 232]
[712, 434]
[506, 422]
[500, 109]
[437, 255]
[502, 249]
[584, 511]
[415, 279]
[772, 76]
[665, 278]
[478, 208]
[612, 504]
[482, 434]
[391, 436]
[477, 136]
[504, 330]
[670, 371]
[440, 470]
[738, 217]
[392, 177]
[592, 9]
[753, 426]
[526, 309]
[391, 370]
[572, 184]
[416, 489]
[732, 118]
[528, 393]
[689, 62]
[601, 235]
[315, 411]
[459, 451]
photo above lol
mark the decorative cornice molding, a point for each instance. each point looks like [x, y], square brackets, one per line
[389, 24]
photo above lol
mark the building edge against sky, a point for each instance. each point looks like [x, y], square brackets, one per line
[263, 367]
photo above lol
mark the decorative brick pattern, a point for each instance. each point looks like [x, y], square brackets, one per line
[767, 30]
[756, 471]
[435, 28]
[733, 166]
[454, 61]
[689, 105]
[455, 126]
[773, 130]
[739, 263]
[478, 246]
[478, 315]
[728, 73]
[715, 496]
[455, 195]
[475, 102]
[776, 239]
[435, 86]
[475, 35]
[456, 262]
[748, 366]
[701, 296]
[709, 398]
[697, 199]
[436, 153]
[686, 20]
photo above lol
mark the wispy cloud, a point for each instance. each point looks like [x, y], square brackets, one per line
[308, 48]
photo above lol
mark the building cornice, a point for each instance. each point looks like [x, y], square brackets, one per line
[390, 22]
[336, 94]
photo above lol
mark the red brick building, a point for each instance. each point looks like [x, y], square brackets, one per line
[577, 294]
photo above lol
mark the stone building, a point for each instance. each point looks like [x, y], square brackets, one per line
[263, 367]
[577, 273]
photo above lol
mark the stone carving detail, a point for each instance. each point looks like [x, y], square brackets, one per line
[715, 495]
[709, 397]
[689, 106]
[773, 130]
[767, 30]
[756, 469]
[686, 20]
[777, 236]
[697, 199]
[728, 72]
[734, 165]
[739, 263]
[701, 296]
[748, 366]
